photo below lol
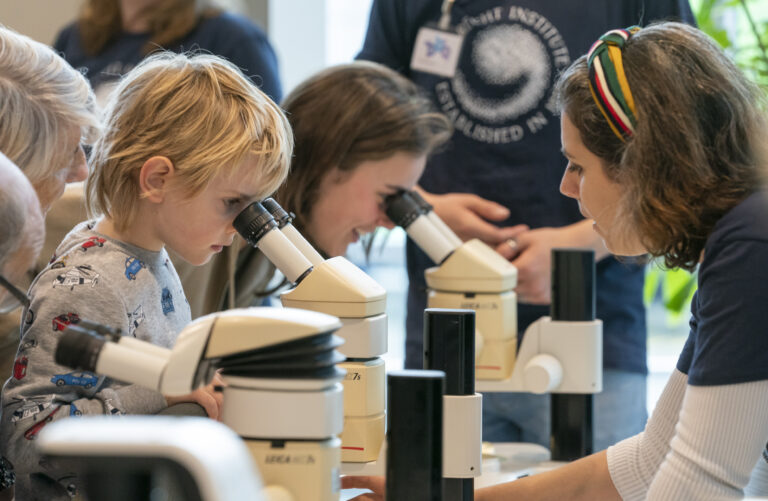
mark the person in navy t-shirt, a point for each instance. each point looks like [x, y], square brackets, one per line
[113, 36]
[504, 163]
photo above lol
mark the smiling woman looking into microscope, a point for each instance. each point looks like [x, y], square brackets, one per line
[666, 146]
[361, 132]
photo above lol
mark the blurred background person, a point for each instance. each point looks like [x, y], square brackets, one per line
[112, 36]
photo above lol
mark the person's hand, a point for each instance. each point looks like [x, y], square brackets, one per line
[375, 484]
[534, 263]
[534, 257]
[207, 397]
[468, 216]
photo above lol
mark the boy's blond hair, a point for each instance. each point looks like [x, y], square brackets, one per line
[200, 112]
[41, 98]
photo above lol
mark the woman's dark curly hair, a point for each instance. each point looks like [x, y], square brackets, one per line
[700, 143]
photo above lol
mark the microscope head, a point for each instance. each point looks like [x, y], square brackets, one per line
[143, 457]
[469, 266]
[334, 286]
[260, 342]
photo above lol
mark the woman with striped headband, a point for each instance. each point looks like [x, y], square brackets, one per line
[666, 146]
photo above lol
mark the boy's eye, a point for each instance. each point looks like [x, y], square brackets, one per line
[576, 169]
[232, 202]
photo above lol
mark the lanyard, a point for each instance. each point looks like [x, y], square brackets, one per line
[445, 18]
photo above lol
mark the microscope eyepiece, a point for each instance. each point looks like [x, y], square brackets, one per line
[79, 348]
[402, 209]
[281, 215]
[425, 206]
[254, 222]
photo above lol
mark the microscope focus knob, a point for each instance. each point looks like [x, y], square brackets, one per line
[479, 343]
[543, 373]
[276, 493]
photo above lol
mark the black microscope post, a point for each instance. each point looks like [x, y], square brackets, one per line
[449, 346]
[415, 435]
[573, 300]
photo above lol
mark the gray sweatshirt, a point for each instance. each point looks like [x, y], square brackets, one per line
[103, 280]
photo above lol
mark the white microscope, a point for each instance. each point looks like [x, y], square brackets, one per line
[560, 354]
[337, 287]
[283, 394]
[468, 275]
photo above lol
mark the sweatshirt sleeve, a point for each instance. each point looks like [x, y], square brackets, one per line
[633, 462]
[39, 390]
[702, 442]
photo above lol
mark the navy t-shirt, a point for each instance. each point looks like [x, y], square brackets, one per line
[728, 342]
[506, 146]
[230, 36]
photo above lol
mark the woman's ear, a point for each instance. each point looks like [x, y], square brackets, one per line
[154, 177]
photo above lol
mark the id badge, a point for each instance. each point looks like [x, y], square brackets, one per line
[436, 51]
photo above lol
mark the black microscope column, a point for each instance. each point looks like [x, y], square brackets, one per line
[415, 435]
[573, 300]
[449, 346]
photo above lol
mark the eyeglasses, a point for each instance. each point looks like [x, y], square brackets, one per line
[17, 298]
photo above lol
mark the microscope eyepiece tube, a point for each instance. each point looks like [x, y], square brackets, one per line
[428, 209]
[83, 350]
[281, 215]
[79, 349]
[404, 211]
[415, 435]
[284, 220]
[573, 285]
[258, 227]
[254, 222]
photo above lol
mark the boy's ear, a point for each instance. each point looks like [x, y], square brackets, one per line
[154, 177]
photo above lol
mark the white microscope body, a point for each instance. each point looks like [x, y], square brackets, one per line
[560, 355]
[283, 394]
[554, 356]
[153, 457]
[336, 287]
[469, 275]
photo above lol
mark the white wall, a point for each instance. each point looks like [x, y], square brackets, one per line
[38, 19]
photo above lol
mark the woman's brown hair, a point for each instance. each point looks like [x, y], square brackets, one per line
[169, 20]
[349, 114]
[699, 145]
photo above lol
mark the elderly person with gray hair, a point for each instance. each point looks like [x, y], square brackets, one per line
[47, 109]
[21, 237]
[21, 232]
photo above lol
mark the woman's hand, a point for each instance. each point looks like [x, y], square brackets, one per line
[375, 484]
[207, 397]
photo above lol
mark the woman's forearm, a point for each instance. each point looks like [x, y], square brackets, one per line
[586, 479]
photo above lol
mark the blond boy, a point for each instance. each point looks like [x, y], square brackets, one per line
[188, 142]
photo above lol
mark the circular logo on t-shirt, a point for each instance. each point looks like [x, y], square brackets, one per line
[502, 88]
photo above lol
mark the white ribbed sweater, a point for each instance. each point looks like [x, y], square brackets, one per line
[701, 443]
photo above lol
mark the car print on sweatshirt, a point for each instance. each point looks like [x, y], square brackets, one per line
[29, 409]
[75, 276]
[132, 267]
[32, 432]
[20, 367]
[92, 242]
[64, 320]
[135, 319]
[85, 379]
[27, 344]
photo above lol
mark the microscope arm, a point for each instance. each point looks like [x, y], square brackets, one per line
[556, 357]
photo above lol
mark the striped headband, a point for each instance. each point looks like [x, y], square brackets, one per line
[608, 83]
